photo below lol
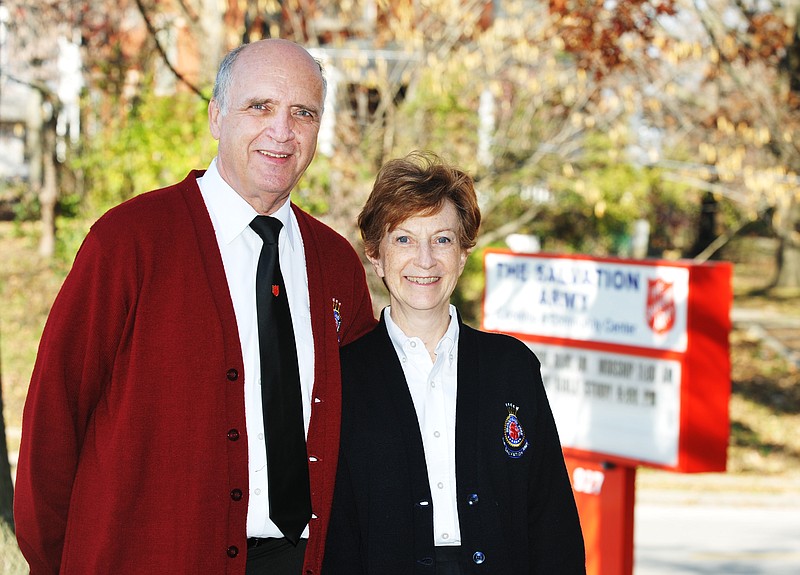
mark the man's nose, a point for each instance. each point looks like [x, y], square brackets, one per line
[281, 126]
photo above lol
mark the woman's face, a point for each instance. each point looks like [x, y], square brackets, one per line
[420, 262]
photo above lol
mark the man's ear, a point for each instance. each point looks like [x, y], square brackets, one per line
[213, 118]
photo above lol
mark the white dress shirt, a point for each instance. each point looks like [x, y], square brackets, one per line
[240, 248]
[433, 387]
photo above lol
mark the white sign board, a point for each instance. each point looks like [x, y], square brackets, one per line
[613, 403]
[587, 300]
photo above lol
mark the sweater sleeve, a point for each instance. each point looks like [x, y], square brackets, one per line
[73, 366]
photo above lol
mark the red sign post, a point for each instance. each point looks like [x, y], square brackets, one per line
[635, 360]
[605, 495]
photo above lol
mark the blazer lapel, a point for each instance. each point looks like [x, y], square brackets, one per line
[468, 407]
[389, 374]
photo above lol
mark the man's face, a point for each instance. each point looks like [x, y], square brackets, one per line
[268, 134]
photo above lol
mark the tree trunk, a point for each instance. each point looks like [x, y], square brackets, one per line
[48, 193]
[6, 485]
[787, 213]
[787, 226]
[788, 265]
[706, 225]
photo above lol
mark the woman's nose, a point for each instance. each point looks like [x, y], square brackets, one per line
[424, 256]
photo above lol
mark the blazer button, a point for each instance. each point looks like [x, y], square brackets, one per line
[473, 499]
[233, 551]
[236, 494]
[478, 557]
[233, 434]
[425, 561]
[232, 375]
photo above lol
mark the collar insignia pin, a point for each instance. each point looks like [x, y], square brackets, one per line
[337, 316]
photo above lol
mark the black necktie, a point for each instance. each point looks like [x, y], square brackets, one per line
[287, 459]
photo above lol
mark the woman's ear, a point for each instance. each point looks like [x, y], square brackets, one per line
[463, 261]
[377, 264]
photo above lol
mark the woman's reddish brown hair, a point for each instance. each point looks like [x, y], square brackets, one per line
[418, 185]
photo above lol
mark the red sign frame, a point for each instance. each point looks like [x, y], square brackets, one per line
[703, 352]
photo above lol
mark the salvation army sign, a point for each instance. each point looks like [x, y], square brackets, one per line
[614, 403]
[634, 353]
[587, 300]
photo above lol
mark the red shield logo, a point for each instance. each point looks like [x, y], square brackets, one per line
[660, 306]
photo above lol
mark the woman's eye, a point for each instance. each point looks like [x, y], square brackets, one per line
[443, 240]
[402, 239]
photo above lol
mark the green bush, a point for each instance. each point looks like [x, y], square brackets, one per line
[150, 144]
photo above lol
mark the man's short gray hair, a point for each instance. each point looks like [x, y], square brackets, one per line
[222, 83]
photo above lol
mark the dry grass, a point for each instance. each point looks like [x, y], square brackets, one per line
[765, 405]
[11, 560]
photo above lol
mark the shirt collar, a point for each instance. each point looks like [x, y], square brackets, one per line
[446, 347]
[232, 211]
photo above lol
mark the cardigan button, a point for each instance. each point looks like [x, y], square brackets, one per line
[233, 434]
[478, 557]
[236, 494]
[232, 375]
[233, 551]
[472, 499]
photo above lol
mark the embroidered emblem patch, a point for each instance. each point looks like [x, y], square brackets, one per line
[337, 317]
[514, 441]
[276, 290]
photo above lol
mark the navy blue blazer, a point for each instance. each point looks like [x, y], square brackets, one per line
[516, 508]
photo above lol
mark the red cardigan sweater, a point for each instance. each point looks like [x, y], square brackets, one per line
[134, 449]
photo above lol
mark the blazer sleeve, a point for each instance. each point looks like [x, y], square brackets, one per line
[554, 528]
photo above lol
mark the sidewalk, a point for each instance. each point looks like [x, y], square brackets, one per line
[716, 524]
[723, 524]
[715, 539]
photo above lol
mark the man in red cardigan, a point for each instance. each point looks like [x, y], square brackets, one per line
[143, 444]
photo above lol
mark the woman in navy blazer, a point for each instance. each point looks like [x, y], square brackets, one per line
[450, 461]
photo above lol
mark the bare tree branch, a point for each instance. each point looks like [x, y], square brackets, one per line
[154, 34]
